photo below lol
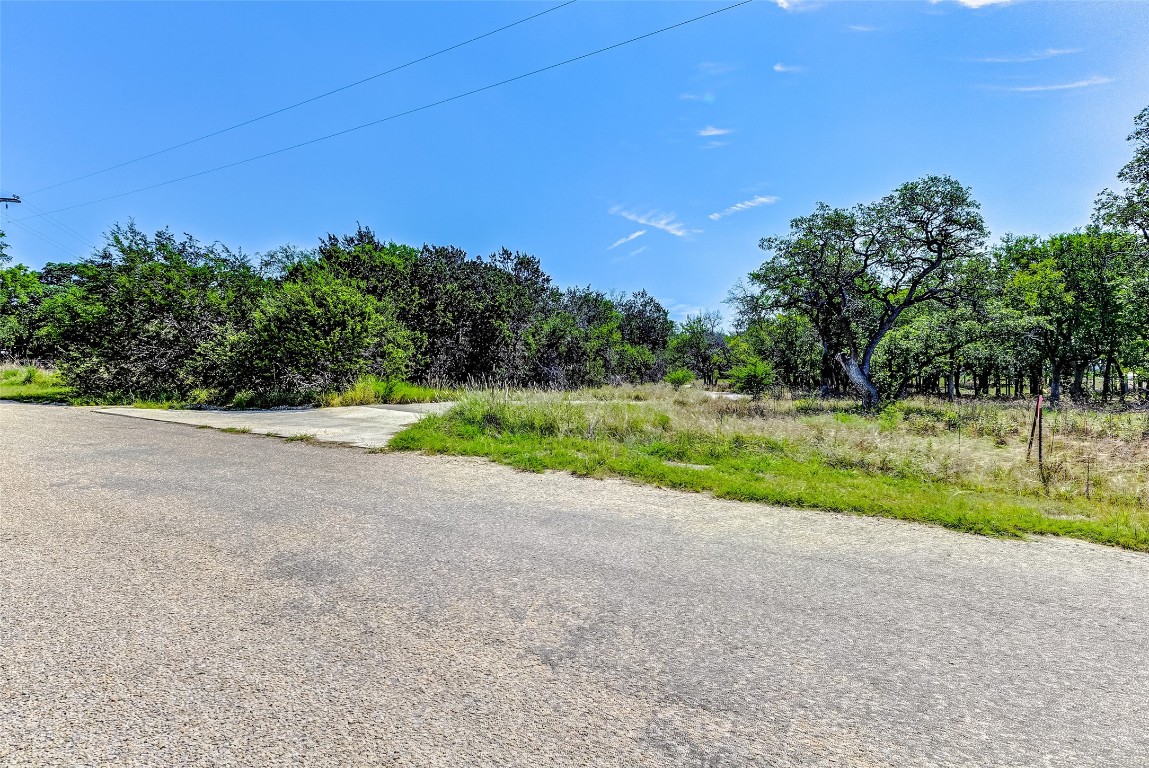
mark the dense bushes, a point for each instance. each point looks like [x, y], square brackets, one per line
[319, 335]
[899, 295]
[158, 316]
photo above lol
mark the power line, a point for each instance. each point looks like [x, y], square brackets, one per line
[65, 249]
[397, 114]
[60, 225]
[305, 101]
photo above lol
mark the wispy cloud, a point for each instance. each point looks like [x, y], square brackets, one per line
[786, 68]
[1048, 53]
[975, 3]
[708, 98]
[862, 28]
[1055, 86]
[710, 130]
[667, 222]
[680, 311]
[627, 239]
[714, 144]
[745, 205]
[631, 255]
[797, 5]
[715, 68]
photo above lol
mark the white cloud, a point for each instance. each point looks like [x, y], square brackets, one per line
[703, 97]
[637, 251]
[975, 3]
[714, 144]
[1048, 53]
[715, 68]
[786, 68]
[710, 130]
[797, 5]
[627, 239]
[862, 28]
[667, 222]
[679, 311]
[1060, 86]
[745, 205]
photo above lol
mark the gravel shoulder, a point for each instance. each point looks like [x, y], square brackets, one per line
[179, 596]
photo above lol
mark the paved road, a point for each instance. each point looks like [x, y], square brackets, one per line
[174, 596]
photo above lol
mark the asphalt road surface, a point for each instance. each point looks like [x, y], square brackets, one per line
[184, 597]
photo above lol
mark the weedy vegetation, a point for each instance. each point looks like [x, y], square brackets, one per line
[25, 383]
[959, 465]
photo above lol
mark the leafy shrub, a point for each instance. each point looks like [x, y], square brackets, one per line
[679, 377]
[318, 335]
[889, 419]
[753, 378]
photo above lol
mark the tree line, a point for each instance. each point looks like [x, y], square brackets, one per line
[158, 314]
[905, 295]
[902, 295]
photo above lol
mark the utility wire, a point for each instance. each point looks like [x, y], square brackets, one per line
[301, 103]
[399, 114]
[59, 224]
[65, 249]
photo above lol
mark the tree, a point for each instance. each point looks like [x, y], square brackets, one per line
[316, 335]
[1128, 209]
[21, 293]
[137, 316]
[700, 346]
[1077, 291]
[854, 273]
[752, 378]
[20, 296]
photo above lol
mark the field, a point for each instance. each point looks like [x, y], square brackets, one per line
[960, 465]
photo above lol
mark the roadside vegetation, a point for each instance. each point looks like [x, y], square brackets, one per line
[883, 351]
[33, 384]
[959, 465]
[30, 384]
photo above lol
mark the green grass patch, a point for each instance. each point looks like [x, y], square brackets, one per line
[638, 442]
[32, 385]
[240, 431]
[372, 390]
[302, 437]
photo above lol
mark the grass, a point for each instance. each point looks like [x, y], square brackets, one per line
[959, 466]
[370, 390]
[31, 385]
[302, 437]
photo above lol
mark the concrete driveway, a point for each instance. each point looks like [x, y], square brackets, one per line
[364, 426]
[180, 597]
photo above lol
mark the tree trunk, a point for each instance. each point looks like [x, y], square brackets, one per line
[1076, 390]
[1035, 380]
[1055, 384]
[982, 386]
[1105, 376]
[861, 381]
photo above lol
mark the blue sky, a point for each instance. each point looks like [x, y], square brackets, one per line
[657, 165]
